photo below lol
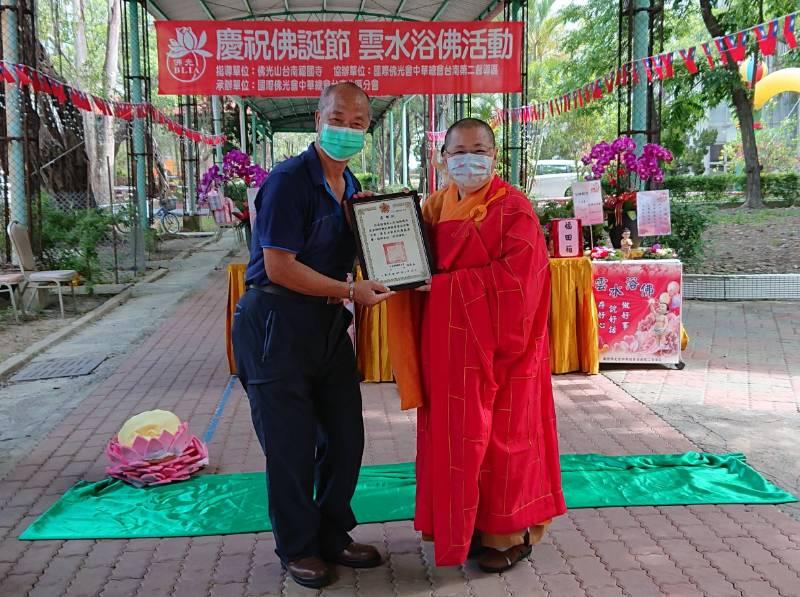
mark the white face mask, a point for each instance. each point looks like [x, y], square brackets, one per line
[470, 171]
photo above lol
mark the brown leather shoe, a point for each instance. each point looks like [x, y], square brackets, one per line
[357, 555]
[311, 572]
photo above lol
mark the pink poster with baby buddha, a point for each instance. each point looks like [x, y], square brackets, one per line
[638, 310]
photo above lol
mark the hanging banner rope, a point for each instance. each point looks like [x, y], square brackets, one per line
[38, 82]
[717, 52]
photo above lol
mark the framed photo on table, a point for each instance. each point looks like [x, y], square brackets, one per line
[391, 239]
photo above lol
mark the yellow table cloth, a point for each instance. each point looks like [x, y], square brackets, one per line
[235, 291]
[372, 341]
[573, 317]
[573, 323]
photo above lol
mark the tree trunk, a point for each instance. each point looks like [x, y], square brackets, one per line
[89, 120]
[744, 112]
[106, 147]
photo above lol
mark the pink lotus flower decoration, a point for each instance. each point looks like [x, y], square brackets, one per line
[155, 453]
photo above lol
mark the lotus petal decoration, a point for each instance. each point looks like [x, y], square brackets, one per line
[152, 450]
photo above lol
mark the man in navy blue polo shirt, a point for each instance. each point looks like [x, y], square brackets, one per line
[293, 354]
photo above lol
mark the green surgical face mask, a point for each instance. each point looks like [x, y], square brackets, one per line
[341, 143]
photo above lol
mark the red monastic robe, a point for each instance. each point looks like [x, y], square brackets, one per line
[473, 356]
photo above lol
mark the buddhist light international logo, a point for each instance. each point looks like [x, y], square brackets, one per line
[186, 58]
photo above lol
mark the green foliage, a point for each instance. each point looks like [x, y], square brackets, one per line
[572, 135]
[368, 181]
[553, 210]
[781, 185]
[777, 149]
[589, 46]
[716, 188]
[151, 240]
[70, 239]
[689, 222]
[693, 148]
[236, 191]
[708, 189]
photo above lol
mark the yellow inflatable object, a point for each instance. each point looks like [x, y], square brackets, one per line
[787, 79]
[148, 424]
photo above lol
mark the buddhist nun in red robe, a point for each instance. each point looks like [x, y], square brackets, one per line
[470, 352]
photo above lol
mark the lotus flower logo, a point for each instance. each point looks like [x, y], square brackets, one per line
[186, 58]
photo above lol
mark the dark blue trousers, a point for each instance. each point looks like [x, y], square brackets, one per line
[297, 365]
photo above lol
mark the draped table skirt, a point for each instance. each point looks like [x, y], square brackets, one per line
[574, 342]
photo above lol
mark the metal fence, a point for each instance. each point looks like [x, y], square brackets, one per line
[741, 287]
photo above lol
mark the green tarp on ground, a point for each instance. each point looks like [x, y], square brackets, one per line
[236, 503]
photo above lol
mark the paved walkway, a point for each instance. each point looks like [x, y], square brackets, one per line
[740, 391]
[674, 551]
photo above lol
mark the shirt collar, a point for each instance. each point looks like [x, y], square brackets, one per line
[314, 165]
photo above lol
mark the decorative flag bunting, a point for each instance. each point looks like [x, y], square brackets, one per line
[721, 50]
[788, 31]
[709, 54]
[737, 45]
[38, 82]
[689, 61]
[767, 38]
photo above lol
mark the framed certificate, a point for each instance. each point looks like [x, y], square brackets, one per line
[391, 239]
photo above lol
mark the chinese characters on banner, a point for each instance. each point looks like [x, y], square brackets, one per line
[652, 213]
[638, 311]
[587, 201]
[567, 237]
[289, 59]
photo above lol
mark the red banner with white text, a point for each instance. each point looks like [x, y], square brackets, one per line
[289, 59]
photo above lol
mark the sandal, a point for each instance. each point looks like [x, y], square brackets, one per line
[494, 561]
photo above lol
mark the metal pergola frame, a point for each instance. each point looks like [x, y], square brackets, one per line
[296, 115]
[154, 7]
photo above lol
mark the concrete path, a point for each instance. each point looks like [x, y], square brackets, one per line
[740, 391]
[637, 552]
[29, 410]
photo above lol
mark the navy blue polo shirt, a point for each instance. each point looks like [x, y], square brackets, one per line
[297, 212]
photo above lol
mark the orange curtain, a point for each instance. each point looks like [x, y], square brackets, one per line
[573, 317]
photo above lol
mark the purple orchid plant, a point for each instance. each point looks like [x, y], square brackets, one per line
[616, 159]
[236, 165]
[617, 164]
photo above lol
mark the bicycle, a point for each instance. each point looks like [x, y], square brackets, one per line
[168, 221]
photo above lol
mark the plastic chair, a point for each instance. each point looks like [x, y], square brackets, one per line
[7, 283]
[38, 279]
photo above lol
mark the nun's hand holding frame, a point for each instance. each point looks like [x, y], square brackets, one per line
[391, 239]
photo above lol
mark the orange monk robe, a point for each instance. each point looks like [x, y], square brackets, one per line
[473, 356]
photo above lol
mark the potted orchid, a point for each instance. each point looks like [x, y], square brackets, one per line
[236, 179]
[623, 173]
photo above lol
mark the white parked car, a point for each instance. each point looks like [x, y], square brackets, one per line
[554, 178]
